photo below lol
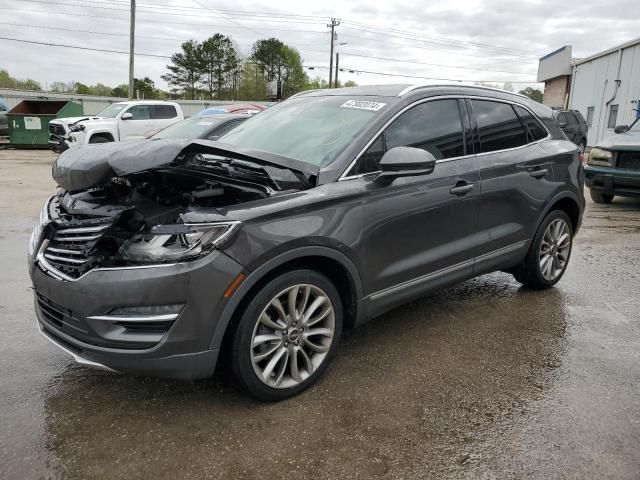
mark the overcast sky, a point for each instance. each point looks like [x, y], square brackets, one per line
[500, 39]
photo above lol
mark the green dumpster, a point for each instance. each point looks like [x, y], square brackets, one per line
[29, 120]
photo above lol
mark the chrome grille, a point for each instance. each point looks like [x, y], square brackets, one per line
[629, 160]
[71, 249]
[56, 129]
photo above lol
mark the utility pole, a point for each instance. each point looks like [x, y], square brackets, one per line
[132, 41]
[335, 83]
[334, 23]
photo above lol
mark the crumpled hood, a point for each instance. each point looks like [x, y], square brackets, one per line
[623, 141]
[70, 120]
[93, 164]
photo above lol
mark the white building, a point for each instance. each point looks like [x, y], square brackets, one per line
[604, 87]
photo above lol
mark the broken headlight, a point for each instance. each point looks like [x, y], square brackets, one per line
[598, 156]
[175, 243]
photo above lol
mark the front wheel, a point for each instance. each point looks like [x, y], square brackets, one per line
[600, 197]
[287, 335]
[549, 253]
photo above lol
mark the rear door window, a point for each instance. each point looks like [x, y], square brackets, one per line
[163, 111]
[498, 125]
[534, 129]
[572, 121]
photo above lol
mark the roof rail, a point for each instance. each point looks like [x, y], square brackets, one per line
[418, 86]
[304, 92]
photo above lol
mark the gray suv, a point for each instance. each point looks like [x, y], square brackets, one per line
[164, 257]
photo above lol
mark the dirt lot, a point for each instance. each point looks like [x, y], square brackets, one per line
[484, 380]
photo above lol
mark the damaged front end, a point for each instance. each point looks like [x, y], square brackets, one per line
[128, 205]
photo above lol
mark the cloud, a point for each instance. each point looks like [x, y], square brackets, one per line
[501, 39]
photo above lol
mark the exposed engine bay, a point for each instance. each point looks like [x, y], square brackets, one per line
[135, 216]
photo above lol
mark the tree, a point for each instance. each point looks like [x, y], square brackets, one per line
[144, 88]
[61, 87]
[350, 83]
[81, 89]
[268, 54]
[121, 91]
[101, 90]
[219, 62]
[28, 84]
[533, 93]
[293, 76]
[251, 84]
[508, 86]
[185, 71]
[6, 80]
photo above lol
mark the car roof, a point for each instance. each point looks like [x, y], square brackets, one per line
[400, 90]
[145, 102]
[220, 116]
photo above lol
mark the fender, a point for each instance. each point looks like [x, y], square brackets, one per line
[254, 277]
[97, 131]
[559, 196]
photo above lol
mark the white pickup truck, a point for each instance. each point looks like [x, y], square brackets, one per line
[119, 122]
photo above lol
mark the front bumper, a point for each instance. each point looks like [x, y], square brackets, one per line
[613, 181]
[182, 351]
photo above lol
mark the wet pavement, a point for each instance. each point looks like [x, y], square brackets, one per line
[485, 380]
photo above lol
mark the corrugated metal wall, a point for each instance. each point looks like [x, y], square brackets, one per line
[593, 85]
[92, 104]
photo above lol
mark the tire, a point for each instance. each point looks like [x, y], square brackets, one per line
[100, 139]
[600, 197]
[531, 272]
[286, 360]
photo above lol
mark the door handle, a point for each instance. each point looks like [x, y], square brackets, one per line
[462, 188]
[539, 173]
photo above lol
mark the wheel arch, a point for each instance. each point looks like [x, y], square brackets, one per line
[328, 261]
[101, 133]
[569, 203]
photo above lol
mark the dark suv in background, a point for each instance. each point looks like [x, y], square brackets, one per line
[613, 167]
[316, 215]
[573, 125]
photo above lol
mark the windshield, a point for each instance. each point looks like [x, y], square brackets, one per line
[314, 130]
[113, 110]
[635, 127]
[189, 129]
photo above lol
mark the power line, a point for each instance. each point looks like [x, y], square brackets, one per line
[389, 74]
[153, 22]
[311, 67]
[104, 50]
[439, 38]
[430, 64]
[110, 7]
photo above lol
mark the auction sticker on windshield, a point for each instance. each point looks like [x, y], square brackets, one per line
[363, 105]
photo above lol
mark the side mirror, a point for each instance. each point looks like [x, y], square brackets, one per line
[405, 162]
[621, 129]
[126, 116]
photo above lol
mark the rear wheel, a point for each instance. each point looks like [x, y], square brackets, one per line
[548, 254]
[600, 197]
[287, 335]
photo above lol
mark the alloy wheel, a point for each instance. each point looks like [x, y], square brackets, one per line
[292, 336]
[554, 249]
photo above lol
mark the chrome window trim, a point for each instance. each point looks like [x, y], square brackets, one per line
[168, 317]
[344, 175]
